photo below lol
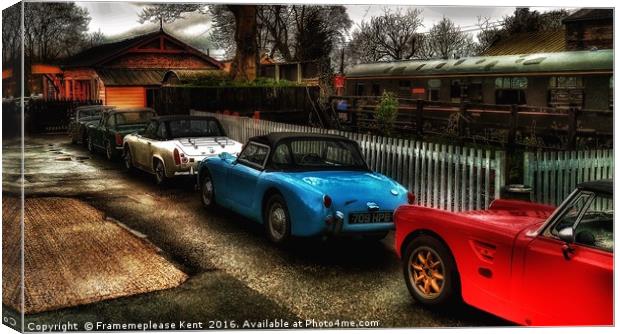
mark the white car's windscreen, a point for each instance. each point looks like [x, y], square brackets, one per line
[194, 128]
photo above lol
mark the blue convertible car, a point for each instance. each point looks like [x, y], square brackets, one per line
[300, 184]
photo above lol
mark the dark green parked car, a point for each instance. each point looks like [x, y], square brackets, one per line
[107, 134]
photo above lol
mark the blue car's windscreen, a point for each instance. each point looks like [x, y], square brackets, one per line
[194, 128]
[318, 154]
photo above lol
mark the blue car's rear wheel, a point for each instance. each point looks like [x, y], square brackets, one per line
[207, 191]
[277, 220]
[430, 272]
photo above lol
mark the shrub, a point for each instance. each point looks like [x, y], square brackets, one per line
[387, 110]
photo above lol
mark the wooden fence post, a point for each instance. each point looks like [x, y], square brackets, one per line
[353, 113]
[419, 119]
[462, 118]
[512, 132]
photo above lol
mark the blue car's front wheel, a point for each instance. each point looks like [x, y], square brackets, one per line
[277, 220]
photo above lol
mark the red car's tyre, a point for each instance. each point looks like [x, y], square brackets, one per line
[277, 220]
[430, 272]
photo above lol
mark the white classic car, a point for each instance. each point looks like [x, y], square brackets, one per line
[174, 145]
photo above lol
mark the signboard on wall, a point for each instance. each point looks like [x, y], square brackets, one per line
[418, 90]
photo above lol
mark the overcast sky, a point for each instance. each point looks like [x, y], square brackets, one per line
[115, 19]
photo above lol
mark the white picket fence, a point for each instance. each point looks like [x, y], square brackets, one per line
[554, 175]
[442, 176]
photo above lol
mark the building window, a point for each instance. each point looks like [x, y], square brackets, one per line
[434, 86]
[151, 97]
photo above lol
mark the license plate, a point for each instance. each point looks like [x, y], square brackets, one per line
[370, 217]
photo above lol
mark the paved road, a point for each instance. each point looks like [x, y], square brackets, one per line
[235, 272]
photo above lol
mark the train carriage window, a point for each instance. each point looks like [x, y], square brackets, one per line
[376, 89]
[510, 90]
[565, 92]
[434, 86]
[359, 89]
[404, 88]
[455, 90]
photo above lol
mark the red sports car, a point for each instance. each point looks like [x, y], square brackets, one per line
[528, 263]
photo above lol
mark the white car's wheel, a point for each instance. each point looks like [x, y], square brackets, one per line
[160, 173]
[128, 160]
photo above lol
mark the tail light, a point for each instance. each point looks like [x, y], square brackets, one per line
[119, 139]
[410, 197]
[327, 201]
[177, 157]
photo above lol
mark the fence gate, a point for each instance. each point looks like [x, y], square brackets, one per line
[554, 175]
[441, 176]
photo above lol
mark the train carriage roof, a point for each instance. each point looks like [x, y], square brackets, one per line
[599, 61]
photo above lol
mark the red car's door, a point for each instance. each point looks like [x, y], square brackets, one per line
[571, 283]
[557, 291]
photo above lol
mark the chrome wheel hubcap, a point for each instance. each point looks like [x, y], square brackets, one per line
[277, 221]
[207, 191]
[159, 172]
[426, 272]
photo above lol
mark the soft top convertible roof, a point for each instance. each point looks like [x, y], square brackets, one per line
[599, 186]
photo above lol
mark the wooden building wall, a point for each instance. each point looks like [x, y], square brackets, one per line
[585, 35]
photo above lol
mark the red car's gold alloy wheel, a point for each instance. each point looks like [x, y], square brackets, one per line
[426, 272]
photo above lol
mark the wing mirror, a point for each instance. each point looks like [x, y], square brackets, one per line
[228, 156]
[567, 235]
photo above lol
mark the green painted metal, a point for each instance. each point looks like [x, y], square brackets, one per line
[575, 61]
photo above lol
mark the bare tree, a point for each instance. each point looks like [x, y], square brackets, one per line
[11, 33]
[168, 12]
[95, 38]
[488, 35]
[278, 27]
[446, 40]
[54, 30]
[391, 36]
